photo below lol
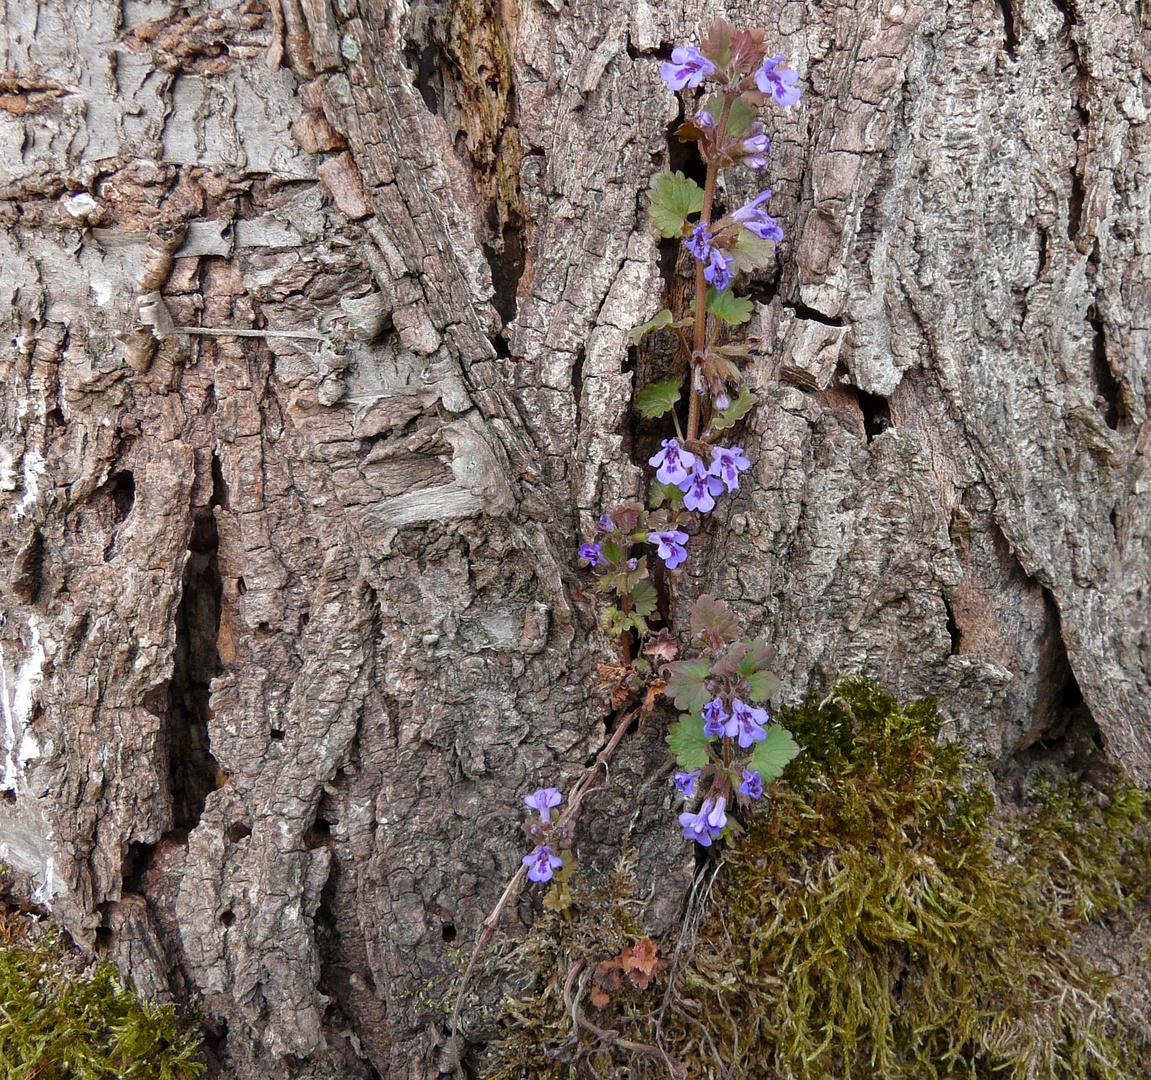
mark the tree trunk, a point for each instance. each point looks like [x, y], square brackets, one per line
[292, 614]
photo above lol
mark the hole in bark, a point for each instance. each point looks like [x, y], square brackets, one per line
[196, 663]
[425, 66]
[263, 628]
[121, 492]
[1078, 191]
[237, 832]
[1042, 253]
[228, 918]
[302, 622]
[241, 586]
[55, 418]
[876, 413]
[28, 569]
[802, 311]
[8, 796]
[507, 261]
[103, 938]
[577, 387]
[277, 734]
[1115, 524]
[219, 485]
[1108, 396]
[1069, 18]
[1012, 40]
[448, 932]
[953, 630]
[135, 866]
[1063, 731]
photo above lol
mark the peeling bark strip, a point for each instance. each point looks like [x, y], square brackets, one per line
[291, 619]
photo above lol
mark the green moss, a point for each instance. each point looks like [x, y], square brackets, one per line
[879, 920]
[60, 1024]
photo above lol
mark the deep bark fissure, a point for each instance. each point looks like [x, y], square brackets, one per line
[1108, 393]
[194, 771]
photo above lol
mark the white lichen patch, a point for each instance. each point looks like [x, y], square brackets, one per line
[34, 467]
[17, 697]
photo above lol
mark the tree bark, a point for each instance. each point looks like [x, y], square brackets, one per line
[292, 616]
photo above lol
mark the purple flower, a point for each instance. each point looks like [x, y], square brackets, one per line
[700, 488]
[685, 782]
[632, 563]
[752, 785]
[754, 147]
[714, 717]
[704, 121]
[728, 464]
[593, 554]
[748, 722]
[543, 800]
[722, 401]
[671, 548]
[672, 463]
[758, 221]
[700, 243]
[718, 270]
[776, 81]
[605, 524]
[705, 826]
[688, 67]
[541, 863]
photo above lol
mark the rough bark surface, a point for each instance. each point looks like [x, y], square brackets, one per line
[291, 623]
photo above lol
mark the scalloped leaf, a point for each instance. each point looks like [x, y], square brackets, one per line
[673, 197]
[644, 598]
[688, 742]
[713, 620]
[659, 493]
[771, 755]
[657, 322]
[729, 307]
[762, 686]
[751, 253]
[735, 412]
[658, 399]
[685, 683]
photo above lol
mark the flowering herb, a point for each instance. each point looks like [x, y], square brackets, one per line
[711, 739]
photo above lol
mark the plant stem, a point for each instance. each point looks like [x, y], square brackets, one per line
[700, 280]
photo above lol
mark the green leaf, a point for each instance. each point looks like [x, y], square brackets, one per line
[773, 753]
[762, 685]
[685, 683]
[757, 657]
[741, 117]
[735, 412]
[611, 551]
[673, 197]
[644, 599]
[658, 398]
[729, 307]
[751, 253]
[688, 742]
[657, 322]
[659, 493]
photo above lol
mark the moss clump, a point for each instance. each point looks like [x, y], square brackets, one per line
[879, 920]
[57, 1023]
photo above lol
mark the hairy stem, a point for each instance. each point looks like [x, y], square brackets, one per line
[700, 280]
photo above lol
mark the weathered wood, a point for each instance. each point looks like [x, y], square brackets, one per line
[292, 623]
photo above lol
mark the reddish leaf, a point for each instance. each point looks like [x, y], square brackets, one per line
[661, 648]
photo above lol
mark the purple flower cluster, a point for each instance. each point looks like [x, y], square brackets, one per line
[541, 863]
[716, 265]
[699, 483]
[744, 721]
[706, 825]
